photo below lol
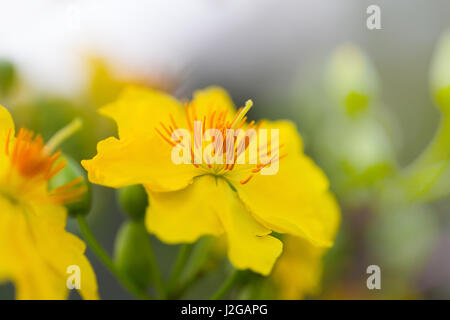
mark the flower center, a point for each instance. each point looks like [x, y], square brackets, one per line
[32, 166]
[233, 142]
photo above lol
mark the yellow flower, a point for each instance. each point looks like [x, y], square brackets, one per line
[191, 200]
[105, 84]
[35, 249]
[298, 272]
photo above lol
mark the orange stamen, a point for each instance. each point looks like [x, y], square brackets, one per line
[216, 118]
[246, 180]
[165, 138]
[35, 165]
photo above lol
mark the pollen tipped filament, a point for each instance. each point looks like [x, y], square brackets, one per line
[229, 141]
[34, 165]
[29, 158]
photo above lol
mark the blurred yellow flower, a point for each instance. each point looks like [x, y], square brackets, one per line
[298, 272]
[35, 249]
[191, 200]
[105, 83]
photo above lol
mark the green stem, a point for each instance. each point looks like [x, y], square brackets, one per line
[182, 258]
[226, 286]
[63, 134]
[195, 268]
[439, 147]
[415, 181]
[157, 277]
[103, 256]
[185, 286]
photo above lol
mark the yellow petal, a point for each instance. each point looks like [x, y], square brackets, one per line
[61, 249]
[249, 244]
[35, 253]
[6, 125]
[184, 215]
[290, 140]
[211, 99]
[209, 206]
[16, 253]
[138, 111]
[144, 160]
[20, 261]
[299, 270]
[290, 200]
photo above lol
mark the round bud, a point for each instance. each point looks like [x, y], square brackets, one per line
[132, 253]
[352, 80]
[133, 200]
[440, 73]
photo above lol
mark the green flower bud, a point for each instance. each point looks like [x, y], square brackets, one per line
[133, 200]
[355, 154]
[132, 253]
[7, 76]
[69, 173]
[440, 73]
[352, 79]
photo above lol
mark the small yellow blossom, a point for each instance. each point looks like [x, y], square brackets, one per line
[188, 201]
[298, 272]
[35, 249]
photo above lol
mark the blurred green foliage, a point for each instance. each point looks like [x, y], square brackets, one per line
[7, 77]
[69, 173]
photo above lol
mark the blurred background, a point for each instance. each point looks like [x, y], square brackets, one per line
[65, 58]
